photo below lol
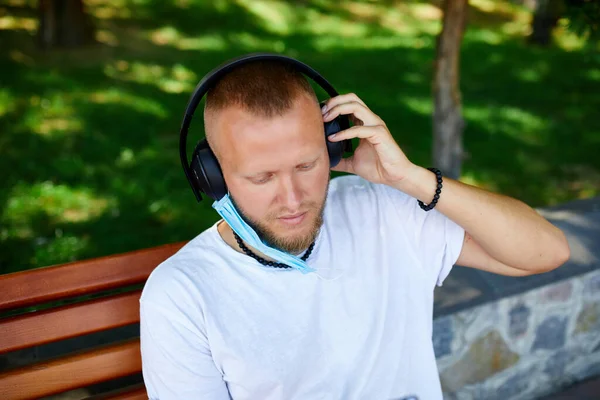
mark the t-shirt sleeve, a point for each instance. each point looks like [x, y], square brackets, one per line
[435, 238]
[176, 358]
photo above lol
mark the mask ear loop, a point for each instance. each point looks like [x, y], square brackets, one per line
[329, 269]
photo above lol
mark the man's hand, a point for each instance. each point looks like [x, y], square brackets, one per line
[503, 235]
[378, 158]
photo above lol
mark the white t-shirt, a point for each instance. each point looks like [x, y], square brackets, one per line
[216, 324]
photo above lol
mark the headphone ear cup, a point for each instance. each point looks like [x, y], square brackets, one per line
[207, 171]
[336, 149]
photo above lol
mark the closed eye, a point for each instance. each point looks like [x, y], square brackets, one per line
[262, 180]
[306, 167]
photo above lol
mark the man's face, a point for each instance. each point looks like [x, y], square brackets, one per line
[277, 171]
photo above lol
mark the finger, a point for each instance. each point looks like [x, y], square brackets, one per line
[343, 98]
[355, 121]
[345, 165]
[372, 133]
[357, 109]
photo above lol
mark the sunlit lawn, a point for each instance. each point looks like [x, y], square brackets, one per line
[88, 138]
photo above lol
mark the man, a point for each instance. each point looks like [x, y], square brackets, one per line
[221, 320]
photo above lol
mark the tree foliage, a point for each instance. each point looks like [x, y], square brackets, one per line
[584, 18]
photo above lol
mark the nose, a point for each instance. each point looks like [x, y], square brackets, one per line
[290, 194]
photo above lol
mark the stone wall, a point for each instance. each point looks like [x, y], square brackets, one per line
[523, 346]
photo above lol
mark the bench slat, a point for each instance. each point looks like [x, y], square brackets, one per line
[69, 321]
[72, 372]
[21, 289]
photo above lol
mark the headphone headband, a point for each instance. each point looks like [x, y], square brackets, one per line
[217, 73]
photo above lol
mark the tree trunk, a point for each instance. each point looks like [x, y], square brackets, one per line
[545, 18]
[448, 123]
[64, 23]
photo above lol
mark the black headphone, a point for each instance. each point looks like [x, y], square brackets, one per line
[204, 174]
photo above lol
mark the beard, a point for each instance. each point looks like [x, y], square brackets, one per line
[294, 244]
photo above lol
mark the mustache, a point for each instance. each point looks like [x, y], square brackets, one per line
[306, 208]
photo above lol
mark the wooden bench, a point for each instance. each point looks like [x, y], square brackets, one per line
[111, 287]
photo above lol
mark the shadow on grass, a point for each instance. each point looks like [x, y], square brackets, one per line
[89, 138]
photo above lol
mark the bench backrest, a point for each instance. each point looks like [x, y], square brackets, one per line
[123, 273]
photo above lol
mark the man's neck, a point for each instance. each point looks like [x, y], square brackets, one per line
[227, 234]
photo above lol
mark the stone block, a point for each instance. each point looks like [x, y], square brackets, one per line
[588, 370]
[443, 335]
[560, 292]
[591, 286]
[518, 320]
[550, 334]
[482, 320]
[517, 384]
[589, 318]
[557, 363]
[487, 356]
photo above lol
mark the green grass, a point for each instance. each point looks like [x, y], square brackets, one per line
[89, 138]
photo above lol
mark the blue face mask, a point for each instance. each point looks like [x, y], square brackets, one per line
[227, 211]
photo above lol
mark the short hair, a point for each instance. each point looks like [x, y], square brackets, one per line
[265, 88]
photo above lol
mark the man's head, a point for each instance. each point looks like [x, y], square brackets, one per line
[263, 122]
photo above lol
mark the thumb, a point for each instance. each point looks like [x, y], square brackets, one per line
[345, 165]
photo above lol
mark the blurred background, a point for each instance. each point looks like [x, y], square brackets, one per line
[92, 94]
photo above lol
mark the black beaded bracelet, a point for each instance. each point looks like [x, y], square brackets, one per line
[438, 190]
